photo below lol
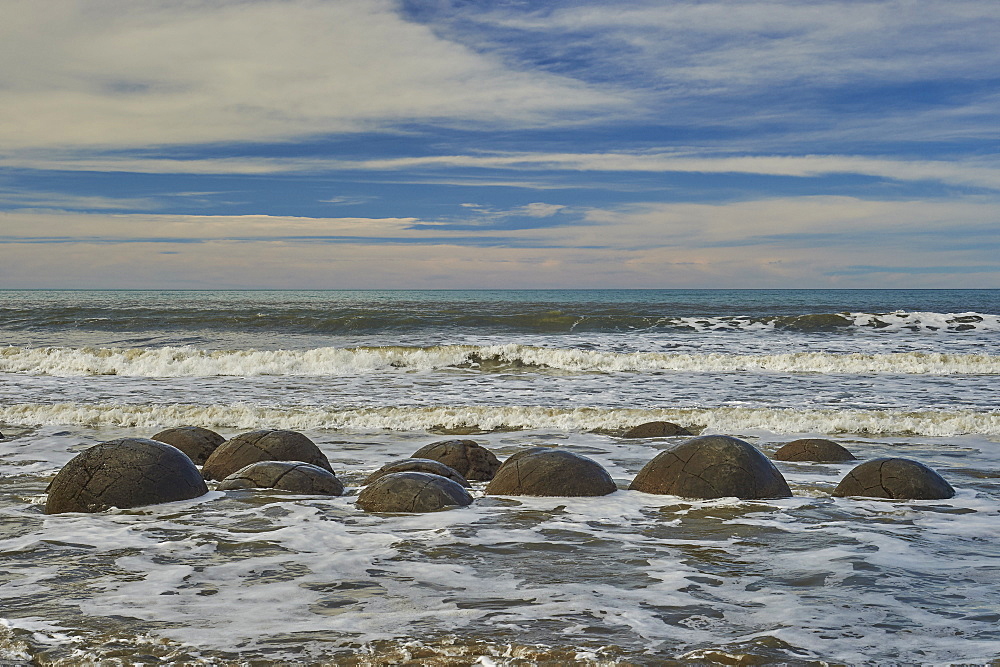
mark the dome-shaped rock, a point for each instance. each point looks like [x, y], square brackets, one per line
[293, 476]
[469, 458]
[542, 471]
[818, 450]
[656, 430]
[713, 466]
[418, 465]
[130, 472]
[266, 445]
[412, 492]
[900, 479]
[197, 442]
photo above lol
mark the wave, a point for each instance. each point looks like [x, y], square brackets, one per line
[506, 317]
[489, 418]
[332, 361]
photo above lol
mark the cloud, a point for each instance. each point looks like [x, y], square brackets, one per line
[104, 73]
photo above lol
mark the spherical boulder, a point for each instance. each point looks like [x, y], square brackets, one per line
[265, 445]
[418, 465]
[713, 466]
[469, 458]
[541, 471]
[899, 479]
[656, 429]
[129, 472]
[818, 450]
[293, 476]
[412, 492]
[197, 442]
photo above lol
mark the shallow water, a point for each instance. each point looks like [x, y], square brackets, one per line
[629, 578]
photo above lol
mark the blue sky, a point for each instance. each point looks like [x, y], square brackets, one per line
[502, 144]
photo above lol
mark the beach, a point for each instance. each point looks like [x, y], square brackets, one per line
[627, 578]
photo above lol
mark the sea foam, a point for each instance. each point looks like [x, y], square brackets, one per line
[194, 362]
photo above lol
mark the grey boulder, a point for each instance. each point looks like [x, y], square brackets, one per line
[129, 472]
[264, 445]
[818, 450]
[197, 442]
[469, 458]
[896, 478]
[656, 429]
[542, 471]
[292, 476]
[418, 465]
[412, 492]
[713, 466]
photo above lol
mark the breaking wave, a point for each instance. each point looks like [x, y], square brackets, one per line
[194, 362]
[490, 418]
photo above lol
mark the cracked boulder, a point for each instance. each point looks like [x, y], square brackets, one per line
[470, 459]
[265, 445]
[656, 429]
[129, 472]
[542, 471]
[899, 479]
[418, 465]
[292, 476]
[197, 442]
[818, 450]
[412, 492]
[712, 466]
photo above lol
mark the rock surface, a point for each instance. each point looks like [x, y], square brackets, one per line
[899, 479]
[541, 471]
[818, 450]
[293, 476]
[129, 472]
[469, 458]
[656, 430]
[265, 445]
[418, 465]
[197, 442]
[713, 466]
[412, 492]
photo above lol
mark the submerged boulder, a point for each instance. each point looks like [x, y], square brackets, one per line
[265, 445]
[469, 458]
[542, 471]
[899, 479]
[656, 429]
[293, 476]
[197, 442]
[818, 450]
[412, 492]
[418, 465]
[129, 472]
[713, 466]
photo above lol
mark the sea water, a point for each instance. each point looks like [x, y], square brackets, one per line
[629, 578]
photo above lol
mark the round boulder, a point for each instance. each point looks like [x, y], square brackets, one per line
[429, 466]
[656, 430]
[197, 442]
[471, 460]
[550, 472]
[129, 472]
[266, 445]
[899, 479]
[818, 450]
[712, 466]
[412, 492]
[293, 476]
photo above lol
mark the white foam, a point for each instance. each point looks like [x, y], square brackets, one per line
[722, 419]
[332, 361]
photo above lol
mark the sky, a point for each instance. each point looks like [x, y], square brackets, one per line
[459, 144]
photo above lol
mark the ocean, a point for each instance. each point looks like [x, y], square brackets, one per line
[630, 578]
